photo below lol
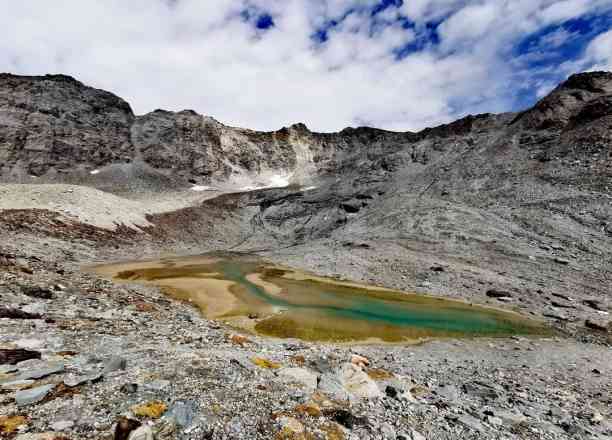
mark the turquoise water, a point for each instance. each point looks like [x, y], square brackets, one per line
[288, 303]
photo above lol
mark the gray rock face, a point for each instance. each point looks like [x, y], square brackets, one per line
[33, 395]
[55, 122]
[39, 373]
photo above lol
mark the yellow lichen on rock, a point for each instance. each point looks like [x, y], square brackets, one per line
[10, 424]
[265, 363]
[154, 409]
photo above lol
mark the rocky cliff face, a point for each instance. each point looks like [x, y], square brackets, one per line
[55, 128]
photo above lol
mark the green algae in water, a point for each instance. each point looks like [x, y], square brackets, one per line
[291, 304]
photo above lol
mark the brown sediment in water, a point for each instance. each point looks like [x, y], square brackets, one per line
[293, 304]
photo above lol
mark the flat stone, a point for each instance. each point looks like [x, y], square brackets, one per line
[115, 363]
[62, 425]
[41, 372]
[142, 433]
[330, 385]
[33, 395]
[495, 421]
[599, 325]
[40, 436]
[183, 412]
[471, 422]
[157, 385]
[482, 390]
[73, 380]
[496, 293]
[509, 417]
[300, 375]
[16, 384]
[5, 369]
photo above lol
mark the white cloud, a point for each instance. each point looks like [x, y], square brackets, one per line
[202, 55]
[599, 52]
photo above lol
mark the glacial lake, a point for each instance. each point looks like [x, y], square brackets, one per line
[253, 295]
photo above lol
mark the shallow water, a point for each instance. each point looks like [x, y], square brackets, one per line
[286, 303]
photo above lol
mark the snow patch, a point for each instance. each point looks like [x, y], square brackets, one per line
[274, 181]
[309, 188]
[202, 188]
[94, 172]
[278, 181]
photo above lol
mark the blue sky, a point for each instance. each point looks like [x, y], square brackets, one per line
[264, 64]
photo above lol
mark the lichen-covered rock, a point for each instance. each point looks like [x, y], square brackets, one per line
[154, 409]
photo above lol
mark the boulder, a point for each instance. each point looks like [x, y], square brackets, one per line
[302, 376]
[357, 383]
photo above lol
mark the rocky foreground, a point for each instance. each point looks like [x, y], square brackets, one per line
[510, 210]
[80, 356]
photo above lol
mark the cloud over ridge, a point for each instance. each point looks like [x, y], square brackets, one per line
[262, 64]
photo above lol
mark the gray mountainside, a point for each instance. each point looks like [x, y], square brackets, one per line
[512, 211]
[480, 191]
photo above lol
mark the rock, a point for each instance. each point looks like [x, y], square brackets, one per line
[115, 363]
[10, 313]
[509, 417]
[142, 433]
[37, 292]
[62, 425]
[345, 418]
[562, 261]
[157, 385]
[300, 375]
[41, 436]
[498, 294]
[183, 412]
[562, 296]
[360, 361]
[10, 424]
[16, 384]
[153, 409]
[595, 304]
[390, 391]
[598, 325]
[39, 373]
[308, 408]
[129, 388]
[239, 340]
[415, 435]
[166, 429]
[32, 395]
[5, 369]
[265, 363]
[73, 380]
[388, 432]
[357, 382]
[483, 390]
[469, 421]
[124, 427]
[494, 421]
[291, 424]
